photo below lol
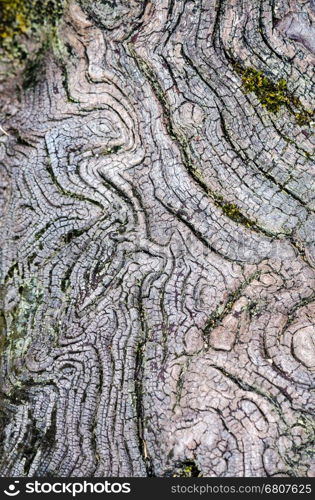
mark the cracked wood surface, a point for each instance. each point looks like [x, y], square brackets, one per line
[158, 277]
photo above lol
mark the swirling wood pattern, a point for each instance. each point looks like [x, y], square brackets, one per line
[158, 245]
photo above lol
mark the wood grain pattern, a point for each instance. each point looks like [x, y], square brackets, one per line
[158, 246]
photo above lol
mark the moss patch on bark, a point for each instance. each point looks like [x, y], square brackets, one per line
[21, 21]
[273, 95]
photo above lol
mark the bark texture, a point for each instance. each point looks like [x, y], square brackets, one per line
[158, 244]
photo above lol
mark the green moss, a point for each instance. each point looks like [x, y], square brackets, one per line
[13, 18]
[23, 17]
[229, 209]
[305, 117]
[273, 95]
[21, 20]
[185, 469]
[233, 212]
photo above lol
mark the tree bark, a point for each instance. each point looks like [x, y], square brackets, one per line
[158, 257]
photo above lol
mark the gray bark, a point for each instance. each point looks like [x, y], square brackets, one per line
[158, 246]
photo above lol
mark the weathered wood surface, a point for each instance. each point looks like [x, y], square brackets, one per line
[158, 246]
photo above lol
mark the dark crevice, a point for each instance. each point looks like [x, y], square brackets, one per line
[139, 373]
[216, 318]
